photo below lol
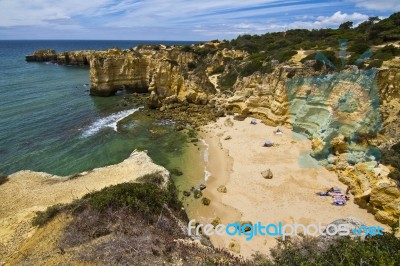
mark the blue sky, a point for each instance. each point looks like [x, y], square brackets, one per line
[176, 19]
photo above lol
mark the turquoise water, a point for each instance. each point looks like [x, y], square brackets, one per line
[48, 121]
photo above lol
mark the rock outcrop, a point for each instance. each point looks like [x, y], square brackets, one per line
[26, 192]
[373, 190]
[78, 58]
[164, 72]
[295, 95]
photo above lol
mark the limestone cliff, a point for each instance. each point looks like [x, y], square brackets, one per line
[80, 58]
[285, 94]
[264, 95]
[310, 111]
[373, 190]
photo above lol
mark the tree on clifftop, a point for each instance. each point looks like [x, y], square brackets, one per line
[346, 25]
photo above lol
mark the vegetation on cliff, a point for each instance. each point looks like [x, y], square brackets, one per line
[142, 224]
[282, 46]
[392, 157]
[374, 250]
[130, 223]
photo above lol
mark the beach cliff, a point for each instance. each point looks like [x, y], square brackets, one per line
[175, 76]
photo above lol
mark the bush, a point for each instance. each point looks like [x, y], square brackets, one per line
[250, 68]
[43, 217]
[186, 48]
[376, 250]
[359, 47]
[375, 63]
[141, 197]
[285, 55]
[227, 80]
[154, 178]
[392, 157]
[218, 70]
[191, 66]
[206, 50]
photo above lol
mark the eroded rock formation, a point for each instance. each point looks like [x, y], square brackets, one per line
[79, 58]
[174, 75]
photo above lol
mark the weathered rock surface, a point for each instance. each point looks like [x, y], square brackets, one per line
[80, 58]
[267, 174]
[372, 189]
[168, 73]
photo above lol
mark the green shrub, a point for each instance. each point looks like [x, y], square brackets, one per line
[376, 250]
[308, 57]
[375, 63]
[250, 68]
[191, 66]
[392, 157]
[383, 56]
[142, 197]
[43, 217]
[187, 48]
[284, 56]
[358, 47]
[206, 50]
[218, 70]
[226, 81]
[154, 178]
[391, 50]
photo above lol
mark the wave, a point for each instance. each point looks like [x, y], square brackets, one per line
[207, 174]
[205, 154]
[110, 121]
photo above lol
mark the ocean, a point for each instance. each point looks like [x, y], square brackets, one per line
[50, 123]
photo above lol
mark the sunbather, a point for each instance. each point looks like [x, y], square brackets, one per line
[327, 193]
[339, 201]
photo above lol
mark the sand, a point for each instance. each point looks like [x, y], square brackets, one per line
[27, 192]
[289, 197]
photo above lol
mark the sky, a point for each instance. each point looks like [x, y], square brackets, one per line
[177, 19]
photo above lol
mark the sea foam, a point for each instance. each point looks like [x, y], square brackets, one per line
[110, 121]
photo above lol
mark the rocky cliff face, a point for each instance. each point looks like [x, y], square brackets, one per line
[373, 190]
[165, 72]
[293, 95]
[311, 102]
[80, 58]
[265, 96]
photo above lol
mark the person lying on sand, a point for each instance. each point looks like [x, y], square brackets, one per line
[339, 200]
[327, 193]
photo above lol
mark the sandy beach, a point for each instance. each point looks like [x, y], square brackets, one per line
[237, 158]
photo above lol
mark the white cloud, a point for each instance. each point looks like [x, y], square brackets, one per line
[307, 22]
[40, 12]
[379, 5]
[222, 18]
[339, 17]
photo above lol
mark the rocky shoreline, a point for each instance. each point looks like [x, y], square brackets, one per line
[180, 83]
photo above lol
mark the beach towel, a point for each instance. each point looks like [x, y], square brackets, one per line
[339, 201]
